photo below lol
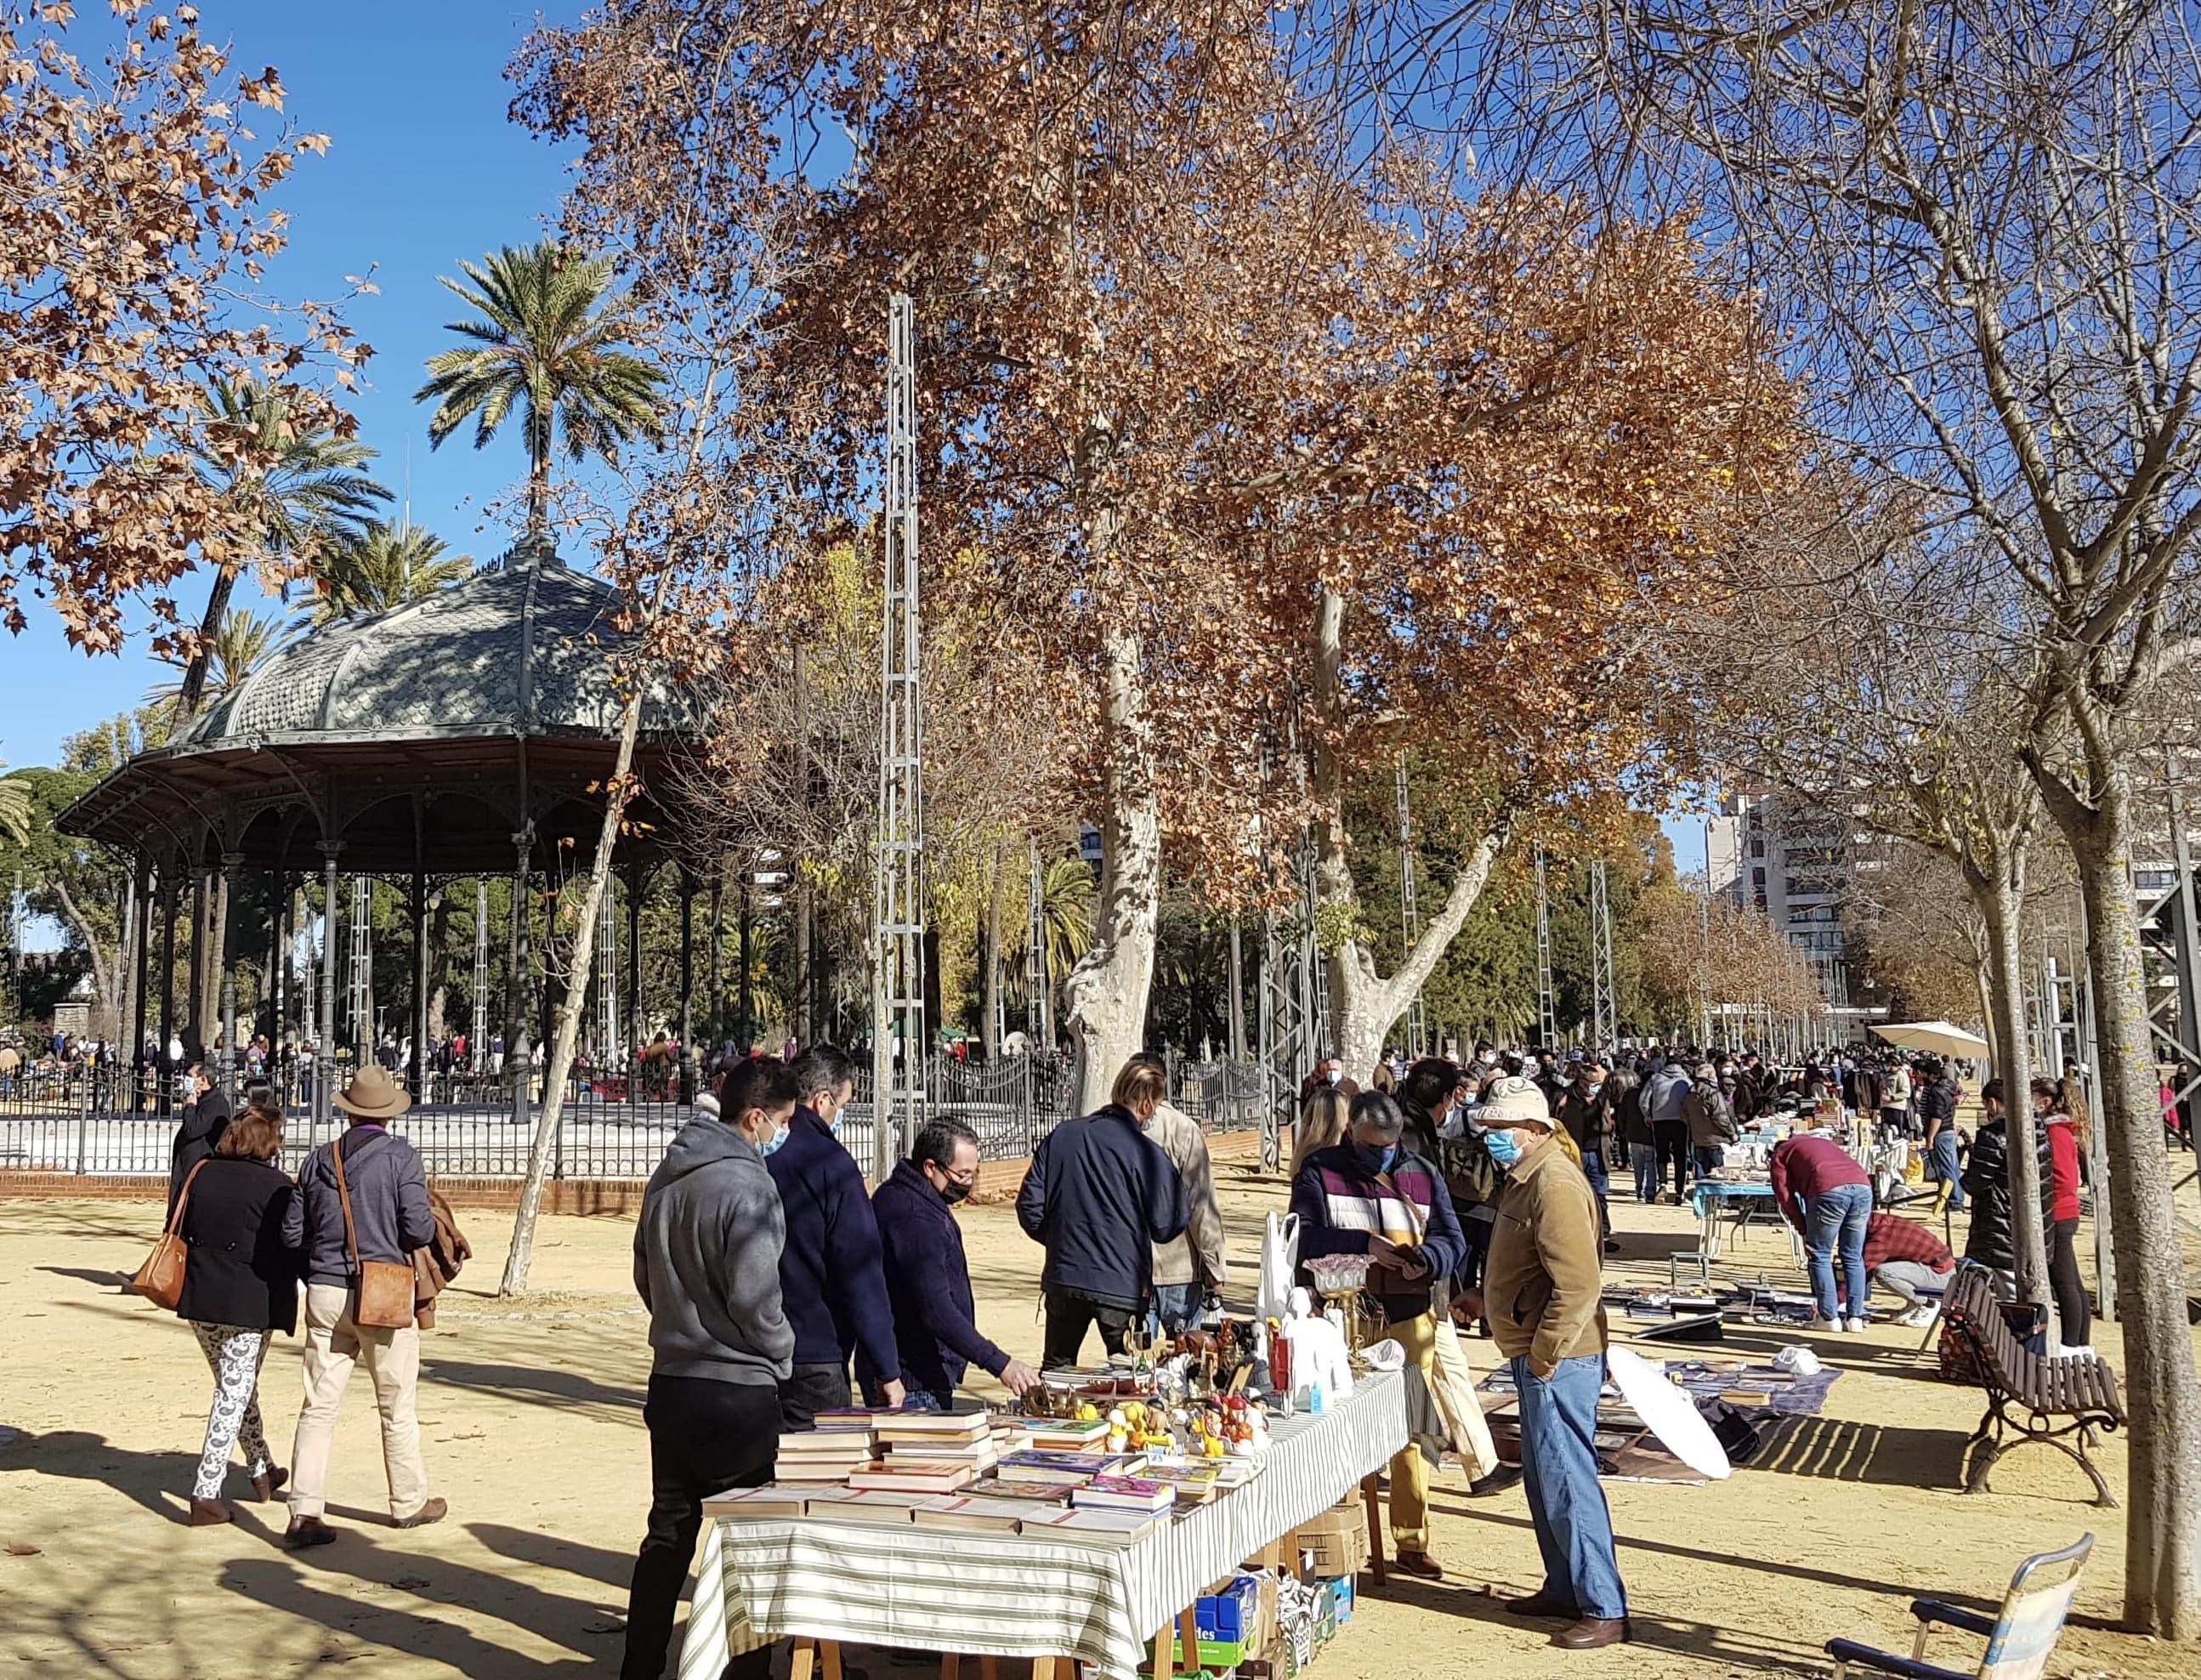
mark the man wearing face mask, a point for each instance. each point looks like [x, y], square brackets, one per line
[828, 1272]
[927, 1279]
[1542, 1290]
[1374, 1196]
[707, 1266]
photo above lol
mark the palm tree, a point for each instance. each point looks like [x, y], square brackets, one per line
[292, 486]
[15, 809]
[244, 641]
[1066, 905]
[547, 339]
[383, 567]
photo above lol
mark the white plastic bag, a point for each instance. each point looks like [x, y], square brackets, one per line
[1280, 1259]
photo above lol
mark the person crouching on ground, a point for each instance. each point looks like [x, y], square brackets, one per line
[240, 1288]
[1374, 1196]
[706, 1265]
[1542, 1291]
[387, 1219]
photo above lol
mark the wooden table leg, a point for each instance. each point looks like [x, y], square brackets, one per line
[1372, 1495]
[986, 1669]
[830, 1650]
[1188, 1633]
[1165, 1652]
[802, 1660]
[951, 1665]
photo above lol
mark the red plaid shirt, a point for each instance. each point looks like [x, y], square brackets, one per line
[1890, 1237]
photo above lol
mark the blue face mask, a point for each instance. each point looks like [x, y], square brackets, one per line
[1503, 1148]
[1377, 1160]
[772, 1143]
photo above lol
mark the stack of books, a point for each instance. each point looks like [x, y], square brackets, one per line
[1194, 1482]
[1095, 1526]
[756, 1505]
[1124, 1493]
[1080, 1467]
[1045, 1493]
[864, 1505]
[822, 1455]
[1067, 1435]
[983, 1514]
[965, 1437]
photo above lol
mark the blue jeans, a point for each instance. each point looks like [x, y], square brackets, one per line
[1943, 1167]
[1173, 1308]
[1707, 1159]
[1834, 1219]
[1644, 1158]
[1559, 1467]
[1600, 1183]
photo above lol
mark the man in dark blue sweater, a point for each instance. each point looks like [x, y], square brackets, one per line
[1100, 1193]
[927, 1279]
[830, 1278]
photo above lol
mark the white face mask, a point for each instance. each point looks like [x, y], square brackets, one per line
[1334, 1075]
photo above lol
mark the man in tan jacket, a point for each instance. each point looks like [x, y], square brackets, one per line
[1541, 1289]
[1189, 1267]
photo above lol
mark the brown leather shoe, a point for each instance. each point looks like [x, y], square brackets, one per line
[206, 1514]
[306, 1531]
[268, 1481]
[1537, 1604]
[1592, 1632]
[432, 1511]
[1421, 1563]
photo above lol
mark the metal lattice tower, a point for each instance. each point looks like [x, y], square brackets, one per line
[607, 1028]
[898, 891]
[1547, 1003]
[309, 970]
[360, 967]
[1410, 914]
[1038, 999]
[1605, 992]
[477, 1034]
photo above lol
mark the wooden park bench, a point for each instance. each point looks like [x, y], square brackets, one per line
[2030, 1399]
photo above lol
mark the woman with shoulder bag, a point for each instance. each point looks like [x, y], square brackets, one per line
[240, 1287]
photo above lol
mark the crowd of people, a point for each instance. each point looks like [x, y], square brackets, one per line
[778, 1285]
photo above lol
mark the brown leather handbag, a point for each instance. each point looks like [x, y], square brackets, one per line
[160, 1279]
[382, 1290]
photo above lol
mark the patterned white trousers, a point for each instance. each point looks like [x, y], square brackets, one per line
[235, 1354]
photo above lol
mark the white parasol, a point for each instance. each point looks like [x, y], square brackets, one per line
[1668, 1412]
[1939, 1038]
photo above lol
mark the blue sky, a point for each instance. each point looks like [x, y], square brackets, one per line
[422, 170]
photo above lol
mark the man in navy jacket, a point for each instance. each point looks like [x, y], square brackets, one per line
[831, 1282]
[927, 1279]
[1100, 1193]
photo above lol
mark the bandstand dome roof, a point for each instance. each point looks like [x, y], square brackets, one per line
[422, 738]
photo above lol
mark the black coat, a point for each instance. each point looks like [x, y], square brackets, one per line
[204, 1122]
[239, 1272]
[1986, 1182]
[1100, 1193]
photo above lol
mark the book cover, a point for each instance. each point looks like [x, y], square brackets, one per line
[1051, 1492]
[755, 1505]
[1124, 1493]
[1044, 1467]
[1099, 1527]
[917, 1476]
[867, 1504]
[982, 1516]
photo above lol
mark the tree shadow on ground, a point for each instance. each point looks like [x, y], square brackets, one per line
[119, 1282]
[159, 1481]
[595, 1563]
[562, 1390]
[1729, 1649]
[1837, 1450]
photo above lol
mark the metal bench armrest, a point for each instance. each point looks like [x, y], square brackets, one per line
[1933, 1610]
[1909, 1668]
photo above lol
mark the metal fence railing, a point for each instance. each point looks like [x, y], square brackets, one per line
[89, 1121]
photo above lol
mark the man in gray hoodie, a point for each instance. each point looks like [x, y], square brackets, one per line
[707, 1264]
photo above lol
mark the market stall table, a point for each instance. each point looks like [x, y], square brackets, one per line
[1742, 1199]
[833, 1581]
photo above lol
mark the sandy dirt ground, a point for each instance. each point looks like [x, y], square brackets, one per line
[531, 1418]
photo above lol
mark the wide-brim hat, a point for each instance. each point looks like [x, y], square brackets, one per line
[372, 1095]
[1514, 1101]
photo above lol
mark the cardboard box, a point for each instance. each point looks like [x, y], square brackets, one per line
[1331, 1554]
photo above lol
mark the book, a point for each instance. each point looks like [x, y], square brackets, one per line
[1050, 1493]
[1066, 1434]
[1042, 1466]
[1124, 1493]
[935, 1423]
[866, 1505]
[982, 1516]
[1098, 1527]
[844, 1419]
[913, 1476]
[981, 1452]
[1194, 1483]
[893, 1434]
[755, 1505]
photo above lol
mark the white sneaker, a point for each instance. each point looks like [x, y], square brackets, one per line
[1855, 1326]
[1916, 1318]
[1822, 1324]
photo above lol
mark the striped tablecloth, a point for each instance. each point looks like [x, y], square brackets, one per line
[1011, 1596]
